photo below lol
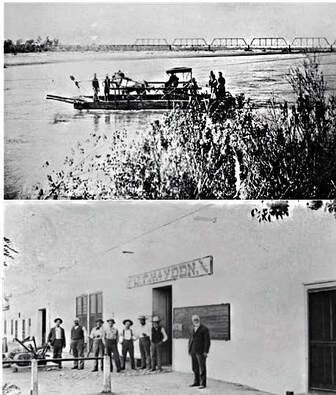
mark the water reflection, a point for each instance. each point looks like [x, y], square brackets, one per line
[96, 118]
[108, 119]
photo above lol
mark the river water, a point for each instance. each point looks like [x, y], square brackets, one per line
[38, 130]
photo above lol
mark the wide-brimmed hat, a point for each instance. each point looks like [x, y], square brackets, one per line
[58, 319]
[156, 318]
[142, 317]
[99, 320]
[111, 319]
[130, 321]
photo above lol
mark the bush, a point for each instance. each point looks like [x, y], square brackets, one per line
[280, 152]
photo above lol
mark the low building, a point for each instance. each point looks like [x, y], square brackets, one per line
[267, 291]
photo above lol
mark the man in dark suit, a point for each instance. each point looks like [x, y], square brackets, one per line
[56, 338]
[199, 345]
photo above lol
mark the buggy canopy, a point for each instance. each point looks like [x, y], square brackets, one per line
[177, 70]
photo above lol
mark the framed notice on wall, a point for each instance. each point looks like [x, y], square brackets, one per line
[215, 316]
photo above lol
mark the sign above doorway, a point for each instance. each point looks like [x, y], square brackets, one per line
[195, 268]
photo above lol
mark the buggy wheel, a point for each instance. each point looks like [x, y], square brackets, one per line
[22, 359]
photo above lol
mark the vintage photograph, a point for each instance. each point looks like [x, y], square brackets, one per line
[169, 298]
[169, 100]
[200, 139]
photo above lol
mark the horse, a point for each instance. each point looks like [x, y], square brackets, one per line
[120, 80]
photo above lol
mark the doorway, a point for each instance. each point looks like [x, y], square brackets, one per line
[322, 339]
[43, 324]
[162, 306]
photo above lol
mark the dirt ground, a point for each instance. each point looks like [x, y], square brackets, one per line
[84, 382]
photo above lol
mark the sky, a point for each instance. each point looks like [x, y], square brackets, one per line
[125, 22]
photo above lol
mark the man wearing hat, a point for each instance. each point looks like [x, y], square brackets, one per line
[77, 343]
[110, 340]
[97, 335]
[199, 345]
[127, 340]
[56, 338]
[144, 343]
[159, 336]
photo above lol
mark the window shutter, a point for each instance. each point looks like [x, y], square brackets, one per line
[99, 303]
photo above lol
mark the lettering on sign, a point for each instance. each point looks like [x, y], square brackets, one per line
[195, 268]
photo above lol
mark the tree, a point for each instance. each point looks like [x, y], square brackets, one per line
[8, 46]
[276, 210]
[30, 45]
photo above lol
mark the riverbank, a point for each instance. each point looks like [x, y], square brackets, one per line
[28, 59]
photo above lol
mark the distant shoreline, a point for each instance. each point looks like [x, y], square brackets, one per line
[53, 57]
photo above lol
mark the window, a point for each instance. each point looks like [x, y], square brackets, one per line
[29, 327]
[5, 327]
[12, 327]
[96, 303]
[16, 329]
[23, 329]
[89, 306]
[81, 309]
[95, 308]
[99, 303]
[93, 304]
[79, 306]
[85, 304]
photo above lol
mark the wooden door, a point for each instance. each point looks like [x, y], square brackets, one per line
[162, 306]
[322, 339]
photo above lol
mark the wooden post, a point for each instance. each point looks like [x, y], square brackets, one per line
[107, 375]
[34, 382]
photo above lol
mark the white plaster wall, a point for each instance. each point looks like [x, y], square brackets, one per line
[258, 268]
[262, 278]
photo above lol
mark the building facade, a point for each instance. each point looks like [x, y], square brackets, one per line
[267, 292]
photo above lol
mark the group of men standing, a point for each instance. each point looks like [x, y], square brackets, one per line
[96, 88]
[105, 340]
[151, 339]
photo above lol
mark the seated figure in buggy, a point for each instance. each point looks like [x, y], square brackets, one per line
[172, 82]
